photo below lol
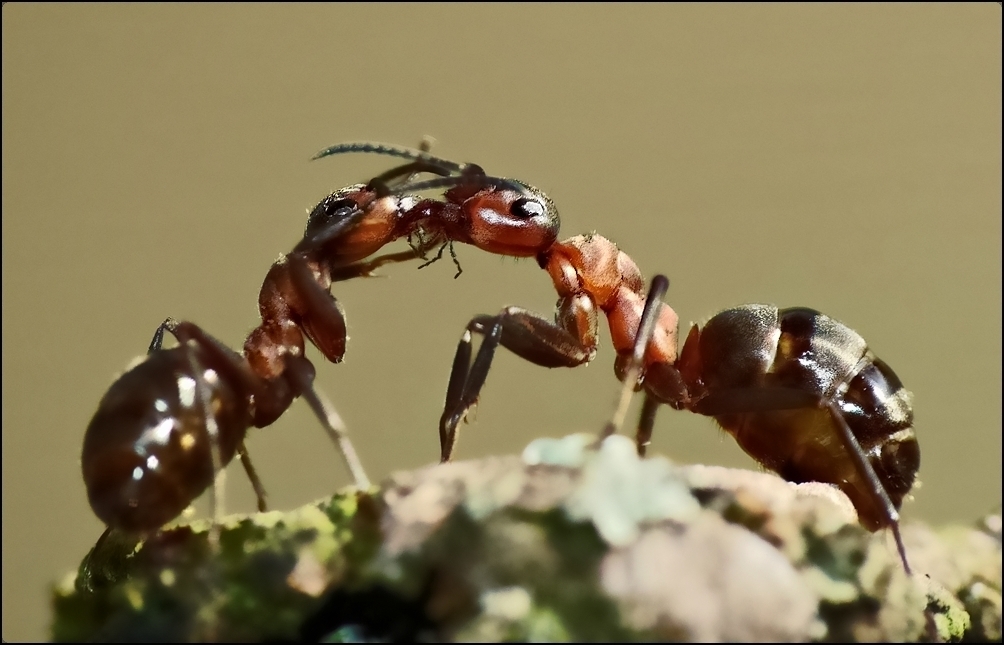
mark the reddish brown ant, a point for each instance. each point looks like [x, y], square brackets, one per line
[800, 392]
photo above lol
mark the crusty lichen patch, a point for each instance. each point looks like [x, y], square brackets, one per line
[567, 542]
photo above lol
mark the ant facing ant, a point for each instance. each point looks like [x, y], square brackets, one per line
[800, 392]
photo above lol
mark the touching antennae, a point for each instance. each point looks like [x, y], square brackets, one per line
[401, 152]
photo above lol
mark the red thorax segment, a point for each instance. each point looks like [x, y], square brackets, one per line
[593, 266]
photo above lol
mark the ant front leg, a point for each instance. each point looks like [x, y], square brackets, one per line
[366, 268]
[527, 335]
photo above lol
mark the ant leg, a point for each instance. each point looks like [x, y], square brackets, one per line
[456, 262]
[301, 373]
[866, 471]
[366, 268]
[646, 328]
[454, 394]
[525, 334]
[439, 256]
[645, 423]
[212, 430]
[249, 469]
[213, 433]
[771, 399]
[321, 319]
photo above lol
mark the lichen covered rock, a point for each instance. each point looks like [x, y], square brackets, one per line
[568, 542]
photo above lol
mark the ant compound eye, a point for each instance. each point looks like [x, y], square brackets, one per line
[329, 211]
[526, 208]
[335, 208]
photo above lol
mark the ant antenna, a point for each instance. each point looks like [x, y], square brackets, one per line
[401, 152]
[457, 173]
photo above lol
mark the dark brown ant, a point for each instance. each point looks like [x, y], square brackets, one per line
[799, 391]
[169, 424]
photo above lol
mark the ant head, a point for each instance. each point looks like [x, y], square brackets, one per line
[507, 221]
[337, 206]
[343, 209]
[498, 215]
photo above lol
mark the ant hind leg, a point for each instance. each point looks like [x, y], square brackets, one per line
[204, 397]
[301, 373]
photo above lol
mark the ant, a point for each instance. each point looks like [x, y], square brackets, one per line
[168, 426]
[799, 391]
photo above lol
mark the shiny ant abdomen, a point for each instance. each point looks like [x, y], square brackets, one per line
[803, 395]
[147, 452]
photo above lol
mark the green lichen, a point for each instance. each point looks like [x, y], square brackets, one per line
[265, 573]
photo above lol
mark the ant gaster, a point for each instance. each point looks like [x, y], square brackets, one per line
[170, 423]
[800, 392]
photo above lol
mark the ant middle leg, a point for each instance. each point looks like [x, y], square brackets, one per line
[527, 335]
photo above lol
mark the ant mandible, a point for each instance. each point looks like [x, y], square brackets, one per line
[800, 392]
[169, 425]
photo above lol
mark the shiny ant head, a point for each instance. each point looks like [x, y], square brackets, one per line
[519, 223]
[498, 215]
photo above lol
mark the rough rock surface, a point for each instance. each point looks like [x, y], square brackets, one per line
[566, 542]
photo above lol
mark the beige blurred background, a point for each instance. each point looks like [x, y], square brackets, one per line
[155, 163]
